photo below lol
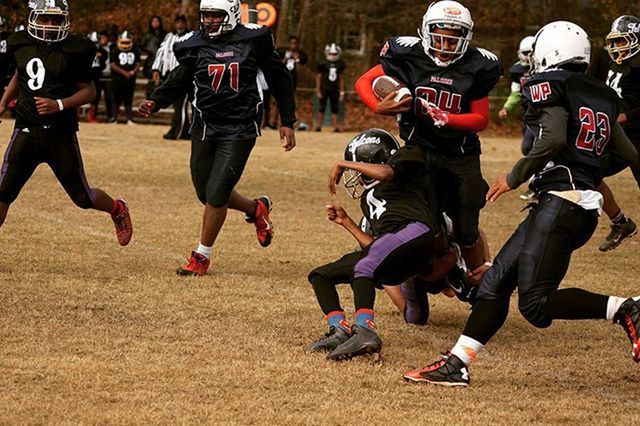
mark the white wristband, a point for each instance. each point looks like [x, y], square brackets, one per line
[60, 104]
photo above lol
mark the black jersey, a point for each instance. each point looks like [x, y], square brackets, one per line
[390, 206]
[4, 56]
[592, 108]
[625, 80]
[519, 75]
[221, 74]
[49, 70]
[292, 63]
[331, 72]
[126, 60]
[99, 63]
[452, 88]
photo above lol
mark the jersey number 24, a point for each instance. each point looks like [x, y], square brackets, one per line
[446, 101]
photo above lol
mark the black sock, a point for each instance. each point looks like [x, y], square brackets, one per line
[364, 293]
[575, 304]
[487, 317]
[619, 218]
[326, 294]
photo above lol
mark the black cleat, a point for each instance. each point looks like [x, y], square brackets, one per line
[449, 371]
[460, 284]
[628, 316]
[619, 231]
[331, 340]
[362, 342]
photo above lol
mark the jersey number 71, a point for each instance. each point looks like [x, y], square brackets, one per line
[217, 71]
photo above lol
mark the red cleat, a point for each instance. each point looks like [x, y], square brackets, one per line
[264, 228]
[628, 316]
[196, 266]
[122, 220]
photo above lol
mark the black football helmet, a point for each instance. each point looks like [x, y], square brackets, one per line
[623, 39]
[49, 20]
[373, 146]
[4, 24]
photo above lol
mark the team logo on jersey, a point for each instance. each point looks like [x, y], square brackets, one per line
[487, 54]
[442, 80]
[227, 54]
[540, 92]
[452, 11]
[385, 49]
[407, 41]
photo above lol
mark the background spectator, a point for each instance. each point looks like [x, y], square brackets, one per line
[330, 85]
[150, 44]
[164, 63]
[125, 63]
[106, 81]
[99, 64]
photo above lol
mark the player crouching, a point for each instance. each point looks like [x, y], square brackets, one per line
[395, 185]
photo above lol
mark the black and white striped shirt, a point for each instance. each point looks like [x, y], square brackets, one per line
[165, 60]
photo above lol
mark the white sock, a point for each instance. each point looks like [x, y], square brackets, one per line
[204, 250]
[467, 349]
[613, 305]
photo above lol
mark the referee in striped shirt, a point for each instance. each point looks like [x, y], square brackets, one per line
[164, 63]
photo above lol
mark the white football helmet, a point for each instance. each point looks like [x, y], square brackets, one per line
[230, 7]
[93, 37]
[332, 52]
[560, 43]
[449, 15]
[525, 49]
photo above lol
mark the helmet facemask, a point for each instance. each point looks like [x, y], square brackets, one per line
[353, 183]
[445, 42]
[125, 42]
[219, 22]
[49, 25]
[622, 45]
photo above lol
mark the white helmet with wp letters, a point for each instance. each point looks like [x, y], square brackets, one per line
[560, 43]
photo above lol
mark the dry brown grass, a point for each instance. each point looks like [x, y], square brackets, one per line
[94, 333]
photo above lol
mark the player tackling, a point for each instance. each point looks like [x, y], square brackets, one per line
[580, 142]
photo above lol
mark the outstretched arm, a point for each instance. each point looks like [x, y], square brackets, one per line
[338, 215]
[172, 89]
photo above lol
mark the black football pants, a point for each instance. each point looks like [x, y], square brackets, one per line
[535, 260]
[216, 167]
[391, 259]
[461, 191]
[29, 148]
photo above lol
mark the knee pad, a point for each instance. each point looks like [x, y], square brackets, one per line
[532, 309]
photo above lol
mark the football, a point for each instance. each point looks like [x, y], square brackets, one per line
[384, 85]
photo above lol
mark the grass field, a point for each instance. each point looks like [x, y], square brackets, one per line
[94, 333]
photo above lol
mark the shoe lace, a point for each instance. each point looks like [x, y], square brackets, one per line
[437, 364]
[194, 262]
